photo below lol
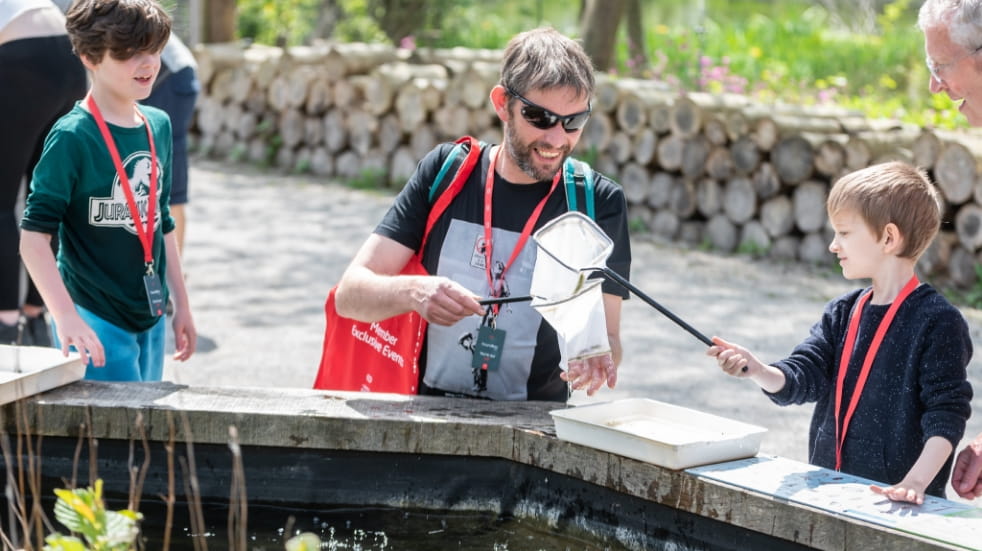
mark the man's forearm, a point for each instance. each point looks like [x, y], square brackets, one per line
[616, 350]
[366, 296]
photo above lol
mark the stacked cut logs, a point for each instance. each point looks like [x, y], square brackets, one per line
[343, 110]
[721, 170]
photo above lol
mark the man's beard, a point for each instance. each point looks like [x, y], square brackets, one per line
[521, 153]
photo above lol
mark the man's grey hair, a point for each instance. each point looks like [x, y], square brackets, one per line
[963, 19]
[544, 59]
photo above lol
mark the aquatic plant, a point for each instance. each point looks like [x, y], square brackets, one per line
[84, 512]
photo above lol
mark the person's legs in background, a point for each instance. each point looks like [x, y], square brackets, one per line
[16, 148]
[176, 95]
[45, 78]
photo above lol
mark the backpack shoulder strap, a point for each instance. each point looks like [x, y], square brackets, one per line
[578, 174]
[453, 163]
[460, 162]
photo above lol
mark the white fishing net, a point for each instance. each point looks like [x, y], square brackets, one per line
[568, 247]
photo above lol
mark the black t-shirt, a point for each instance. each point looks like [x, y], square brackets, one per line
[530, 366]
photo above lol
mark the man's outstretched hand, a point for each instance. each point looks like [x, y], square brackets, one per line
[591, 373]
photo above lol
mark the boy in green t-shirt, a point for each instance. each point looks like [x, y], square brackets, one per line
[103, 183]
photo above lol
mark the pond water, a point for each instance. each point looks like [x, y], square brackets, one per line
[373, 529]
[396, 501]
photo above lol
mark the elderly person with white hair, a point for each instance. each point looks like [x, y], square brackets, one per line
[952, 41]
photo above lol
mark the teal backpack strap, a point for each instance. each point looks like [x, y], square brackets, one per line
[569, 179]
[588, 184]
[455, 156]
[451, 164]
[577, 173]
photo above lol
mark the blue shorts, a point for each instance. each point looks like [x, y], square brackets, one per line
[130, 357]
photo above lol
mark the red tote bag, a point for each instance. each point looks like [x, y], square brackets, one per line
[383, 356]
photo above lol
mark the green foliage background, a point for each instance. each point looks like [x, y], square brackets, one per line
[795, 50]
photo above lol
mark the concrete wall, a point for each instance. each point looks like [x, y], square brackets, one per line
[520, 432]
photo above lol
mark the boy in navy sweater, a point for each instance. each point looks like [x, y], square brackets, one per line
[886, 365]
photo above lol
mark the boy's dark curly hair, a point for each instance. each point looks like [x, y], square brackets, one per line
[121, 27]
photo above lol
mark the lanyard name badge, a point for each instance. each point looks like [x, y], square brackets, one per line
[881, 331]
[145, 232]
[490, 342]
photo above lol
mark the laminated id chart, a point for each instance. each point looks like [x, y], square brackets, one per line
[939, 519]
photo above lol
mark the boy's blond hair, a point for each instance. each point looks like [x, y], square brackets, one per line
[894, 192]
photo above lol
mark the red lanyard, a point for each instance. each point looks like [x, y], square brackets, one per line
[526, 231]
[143, 231]
[881, 331]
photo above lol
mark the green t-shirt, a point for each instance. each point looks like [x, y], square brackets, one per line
[76, 193]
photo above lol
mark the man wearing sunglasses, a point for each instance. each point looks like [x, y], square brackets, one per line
[543, 102]
[953, 41]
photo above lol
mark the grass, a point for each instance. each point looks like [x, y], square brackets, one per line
[637, 226]
[801, 53]
[753, 249]
[368, 179]
[971, 296]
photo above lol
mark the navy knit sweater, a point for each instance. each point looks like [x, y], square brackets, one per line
[917, 387]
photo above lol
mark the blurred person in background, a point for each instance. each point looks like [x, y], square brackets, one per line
[41, 79]
[175, 91]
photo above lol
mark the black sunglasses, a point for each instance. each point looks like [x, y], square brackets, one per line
[540, 117]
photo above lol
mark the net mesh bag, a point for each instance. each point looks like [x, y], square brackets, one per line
[567, 248]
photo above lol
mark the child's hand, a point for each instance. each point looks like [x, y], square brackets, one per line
[904, 491]
[733, 359]
[911, 489]
[737, 361]
[73, 331]
[185, 334]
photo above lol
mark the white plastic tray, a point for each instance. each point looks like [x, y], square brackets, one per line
[657, 432]
[29, 370]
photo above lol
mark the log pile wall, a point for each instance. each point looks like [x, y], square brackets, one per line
[703, 169]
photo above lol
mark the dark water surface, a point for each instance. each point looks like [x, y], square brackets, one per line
[371, 529]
